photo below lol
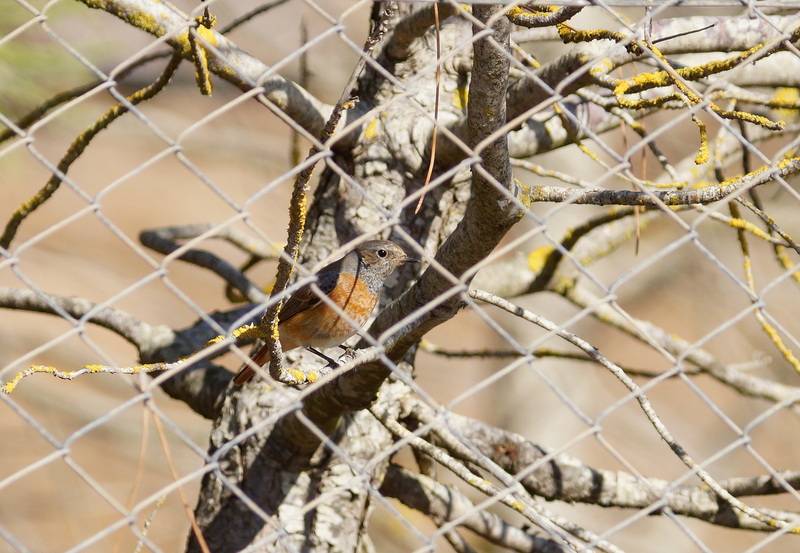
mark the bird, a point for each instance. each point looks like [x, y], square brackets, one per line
[353, 283]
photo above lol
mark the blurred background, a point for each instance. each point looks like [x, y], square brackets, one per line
[66, 479]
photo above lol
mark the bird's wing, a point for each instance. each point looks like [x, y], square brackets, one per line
[306, 297]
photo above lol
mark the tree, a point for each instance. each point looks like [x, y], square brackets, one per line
[431, 145]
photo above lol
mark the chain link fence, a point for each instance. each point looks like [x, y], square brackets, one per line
[596, 352]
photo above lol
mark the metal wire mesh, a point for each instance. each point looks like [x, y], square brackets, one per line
[596, 352]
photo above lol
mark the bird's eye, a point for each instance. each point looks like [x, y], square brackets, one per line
[382, 253]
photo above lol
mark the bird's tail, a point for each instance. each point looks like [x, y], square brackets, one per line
[260, 358]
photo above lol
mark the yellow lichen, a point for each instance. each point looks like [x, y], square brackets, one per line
[568, 34]
[671, 185]
[759, 120]
[586, 150]
[524, 195]
[538, 257]
[749, 227]
[565, 284]
[785, 163]
[144, 21]
[602, 67]
[787, 263]
[703, 183]
[182, 40]
[247, 331]
[208, 35]
[299, 376]
[199, 52]
[702, 154]
[372, 129]
[43, 369]
[786, 101]
[11, 385]
[460, 98]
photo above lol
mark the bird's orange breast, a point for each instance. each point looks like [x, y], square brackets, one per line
[324, 326]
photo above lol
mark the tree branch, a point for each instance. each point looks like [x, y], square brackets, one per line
[542, 17]
[200, 385]
[530, 272]
[560, 477]
[723, 495]
[445, 504]
[746, 384]
[163, 241]
[77, 312]
[591, 62]
[412, 27]
[491, 212]
[659, 198]
[564, 531]
[227, 60]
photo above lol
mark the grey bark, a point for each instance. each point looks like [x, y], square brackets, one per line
[302, 447]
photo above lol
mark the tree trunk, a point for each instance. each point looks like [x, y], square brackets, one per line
[314, 497]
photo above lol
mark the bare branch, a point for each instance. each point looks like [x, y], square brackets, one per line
[544, 17]
[759, 516]
[557, 527]
[78, 311]
[412, 27]
[163, 241]
[201, 386]
[528, 272]
[590, 62]
[227, 60]
[80, 144]
[445, 504]
[659, 198]
[746, 384]
[560, 477]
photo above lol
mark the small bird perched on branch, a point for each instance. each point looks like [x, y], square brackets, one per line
[353, 284]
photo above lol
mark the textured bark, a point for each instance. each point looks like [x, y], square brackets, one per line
[282, 466]
[281, 485]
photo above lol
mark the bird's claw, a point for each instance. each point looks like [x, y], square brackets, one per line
[348, 355]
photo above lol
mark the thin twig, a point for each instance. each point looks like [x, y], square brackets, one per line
[161, 240]
[660, 198]
[438, 79]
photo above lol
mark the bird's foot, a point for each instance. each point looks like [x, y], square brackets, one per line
[348, 355]
[331, 362]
